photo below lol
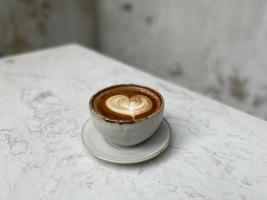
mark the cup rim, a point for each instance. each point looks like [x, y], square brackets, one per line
[125, 121]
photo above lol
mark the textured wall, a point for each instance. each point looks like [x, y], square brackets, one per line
[218, 48]
[32, 24]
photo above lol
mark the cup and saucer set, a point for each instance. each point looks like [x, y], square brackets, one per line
[126, 125]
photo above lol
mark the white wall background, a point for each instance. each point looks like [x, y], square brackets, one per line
[215, 47]
[32, 24]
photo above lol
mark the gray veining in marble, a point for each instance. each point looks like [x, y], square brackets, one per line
[217, 152]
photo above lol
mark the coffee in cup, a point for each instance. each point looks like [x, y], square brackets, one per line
[126, 114]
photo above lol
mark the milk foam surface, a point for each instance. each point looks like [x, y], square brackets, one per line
[132, 106]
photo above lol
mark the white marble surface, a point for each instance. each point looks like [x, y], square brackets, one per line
[217, 152]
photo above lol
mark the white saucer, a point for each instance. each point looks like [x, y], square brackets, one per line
[100, 148]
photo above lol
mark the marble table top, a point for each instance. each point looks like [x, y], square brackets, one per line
[217, 152]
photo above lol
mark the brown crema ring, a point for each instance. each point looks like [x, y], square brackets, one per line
[127, 94]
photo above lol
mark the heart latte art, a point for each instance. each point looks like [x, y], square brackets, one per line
[126, 102]
[132, 106]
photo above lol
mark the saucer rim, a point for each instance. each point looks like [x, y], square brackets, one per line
[163, 148]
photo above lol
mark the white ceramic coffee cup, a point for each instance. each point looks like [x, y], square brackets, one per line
[127, 133]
